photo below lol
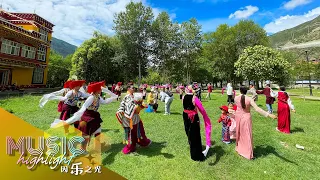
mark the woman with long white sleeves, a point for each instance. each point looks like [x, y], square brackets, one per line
[284, 107]
[88, 115]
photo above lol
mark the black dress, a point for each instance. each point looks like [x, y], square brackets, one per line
[192, 129]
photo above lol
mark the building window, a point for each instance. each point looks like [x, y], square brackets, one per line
[37, 76]
[42, 53]
[10, 47]
[44, 35]
[28, 52]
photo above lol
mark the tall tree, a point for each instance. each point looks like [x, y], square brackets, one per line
[133, 26]
[220, 50]
[58, 71]
[166, 45]
[191, 40]
[93, 60]
[224, 46]
[261, 63]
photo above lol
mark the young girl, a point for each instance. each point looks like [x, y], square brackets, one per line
[232, 112]
[226, 123]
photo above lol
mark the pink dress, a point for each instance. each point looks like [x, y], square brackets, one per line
[244, 143]
[233, 124]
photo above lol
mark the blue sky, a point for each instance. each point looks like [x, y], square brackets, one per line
[211, 13]
[75, 20]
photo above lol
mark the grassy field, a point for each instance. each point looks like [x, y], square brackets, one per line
[168, 157]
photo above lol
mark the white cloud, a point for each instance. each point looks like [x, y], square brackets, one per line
[295, 3]
[290, 21]
[244, 13]
[75, 20]
[211, 25]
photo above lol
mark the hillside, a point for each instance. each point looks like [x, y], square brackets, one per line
[62, 47]
[305, 32]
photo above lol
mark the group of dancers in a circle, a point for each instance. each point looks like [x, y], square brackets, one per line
[87, 119]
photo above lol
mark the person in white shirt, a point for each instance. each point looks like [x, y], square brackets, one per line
[230, 93]
[253, 92]
[167, 98]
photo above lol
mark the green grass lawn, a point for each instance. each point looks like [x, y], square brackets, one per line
[168, 157]
[305, 92]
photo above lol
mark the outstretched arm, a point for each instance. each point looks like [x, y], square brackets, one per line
[207, 122]
[109, 100]
[290, 104]
[259, 110]
[48, 97]
[78, 114]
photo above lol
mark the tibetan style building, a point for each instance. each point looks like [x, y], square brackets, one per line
[25, 41]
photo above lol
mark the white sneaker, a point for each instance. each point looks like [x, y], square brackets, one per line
[299, 147]
[165, 114]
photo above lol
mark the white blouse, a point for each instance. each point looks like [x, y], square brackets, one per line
[275, 95]
[88, 103]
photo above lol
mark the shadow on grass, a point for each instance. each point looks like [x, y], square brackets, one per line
[218, 152]
[260, 151]
[155, 150]
[108, 130]
[115, 149]
[176, 113]
[297, 130]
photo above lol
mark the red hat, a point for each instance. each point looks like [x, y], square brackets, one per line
[77, 83]
[234, 107]
[67, 84]
[94, 87]
[225, 108]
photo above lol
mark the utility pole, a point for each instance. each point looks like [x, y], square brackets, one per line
[309, 74]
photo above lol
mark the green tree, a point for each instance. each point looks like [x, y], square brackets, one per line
[93, 60]
[261, 63]
[153, 77]
[317, 71]
[133, 27]
[220, 50]
[224, 46]
[165, 46]
[58, 69]
[191, 40]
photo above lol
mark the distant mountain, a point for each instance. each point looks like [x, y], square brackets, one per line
[62, 47]
[305, 32]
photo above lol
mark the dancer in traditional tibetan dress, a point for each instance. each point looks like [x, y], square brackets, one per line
[244, 142]
[192, 105]
[269, 99]
[62, 92]
[129, 118]
[71, 100]
[167, 98]
[118, 90]
[88, 115]
[181, 91]
[210, 88]
[284, 107]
